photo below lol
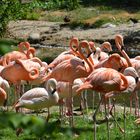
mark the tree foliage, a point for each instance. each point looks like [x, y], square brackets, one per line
[9, 10]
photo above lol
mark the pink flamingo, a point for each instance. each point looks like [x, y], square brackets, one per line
[104, 80]
[105, 50]
[15, 72]
[120, 44]
[66, 54]
[35, 62]
[23, 47]
[133, 83]
[69, 70]
[27, 47]
[114, 61]
[38, 98]
[100, 51]
[63, 90]
[131, 62]
[14, 55]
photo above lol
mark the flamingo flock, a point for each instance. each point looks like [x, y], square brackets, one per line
[84, 66]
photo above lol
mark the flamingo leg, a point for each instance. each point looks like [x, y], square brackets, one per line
[84, 104]
[7, 102]
[70, 100]
[124, 121]
[107, 120]
[131, 98]
[94, 117]
[93, 100]
[22, 89]
[114, 110]
[137, 104]
[71, 106]
[48, 117]
[101, 108]
[85, 101]
[113, 116]
[61, 110]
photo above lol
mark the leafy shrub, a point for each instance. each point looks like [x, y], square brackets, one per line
[14, 9]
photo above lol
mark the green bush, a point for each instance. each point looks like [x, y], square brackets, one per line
[11, 10]
[14, 9]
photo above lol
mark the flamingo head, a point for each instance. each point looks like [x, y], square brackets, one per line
[119, 41]
[130, 71]
[84, 47]
[23, 46]
[92, 46]
[74, 43]
[31, 52]
[106, 46]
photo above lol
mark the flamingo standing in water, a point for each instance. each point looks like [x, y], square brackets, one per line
[39, 98]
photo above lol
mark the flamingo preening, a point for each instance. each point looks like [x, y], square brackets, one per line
[21, 54]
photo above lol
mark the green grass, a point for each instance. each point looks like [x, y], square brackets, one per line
[37, 128]
[91, 16]
[5, 45]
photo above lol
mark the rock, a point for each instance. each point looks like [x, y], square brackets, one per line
[108, 25]
[34, 37]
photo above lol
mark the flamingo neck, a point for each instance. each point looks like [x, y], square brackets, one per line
[75, 41]
[86, 60]
[124, 54]
[125, 82]
[51, 86]
[21, 45]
